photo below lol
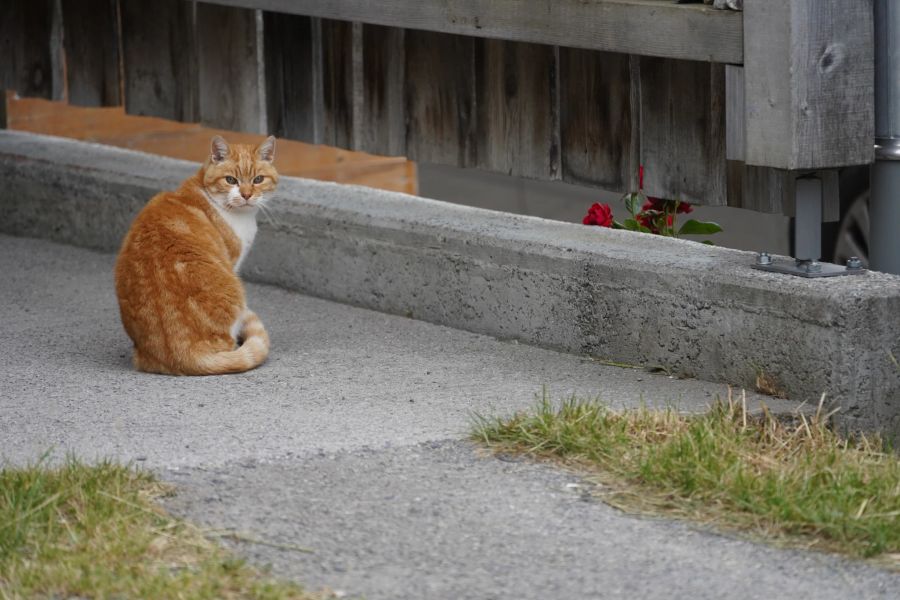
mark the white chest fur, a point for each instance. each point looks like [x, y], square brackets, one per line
[244, 226]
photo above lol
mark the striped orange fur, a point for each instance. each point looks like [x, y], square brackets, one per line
[180, 297]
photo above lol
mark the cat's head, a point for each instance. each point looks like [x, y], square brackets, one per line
[238, 177]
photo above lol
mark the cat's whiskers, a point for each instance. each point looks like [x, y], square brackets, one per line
[273, 221]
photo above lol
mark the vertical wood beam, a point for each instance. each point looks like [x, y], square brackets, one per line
[809, 83]
[91, 36]
[31, 47]
[440, 98]
[290, 75]
[599, 118]
[382, 115]
[735, 141]
[683, 130]
[337, 52]
[159, 58]
[518, 108]
[229, 61]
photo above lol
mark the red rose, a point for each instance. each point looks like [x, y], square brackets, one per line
[600, 215]
[649, 216]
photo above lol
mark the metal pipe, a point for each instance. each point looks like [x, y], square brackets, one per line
[884, 205]
[808, 219]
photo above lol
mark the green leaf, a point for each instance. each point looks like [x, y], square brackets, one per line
[631, 225]
[708, 242]
[634, 201]
[617, 225]
[693, 227]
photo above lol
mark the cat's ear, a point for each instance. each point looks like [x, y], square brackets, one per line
[266, 150]
[218, 149]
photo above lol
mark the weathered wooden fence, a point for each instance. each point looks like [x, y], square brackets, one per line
[721, 107]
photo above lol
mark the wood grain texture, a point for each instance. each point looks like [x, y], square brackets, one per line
[599, 118]
[229, 65]
[762, 189]
[290, 76]
[91, 36]
[382, 111]
[337, 52]
[734, 113]
[517, 105]
[770, 190]
[809, 83]
[30, 44]
[189, 141]
[646, 27]
[683, 130]
[441, 110]
[159, 59]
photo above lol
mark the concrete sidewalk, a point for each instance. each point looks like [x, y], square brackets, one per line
[350, 441]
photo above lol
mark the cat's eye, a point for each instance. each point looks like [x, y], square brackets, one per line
[258, 179]
[231, 180]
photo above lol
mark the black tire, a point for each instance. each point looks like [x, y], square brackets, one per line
[849, 236]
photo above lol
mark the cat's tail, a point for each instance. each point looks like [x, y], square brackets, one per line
[251, 353]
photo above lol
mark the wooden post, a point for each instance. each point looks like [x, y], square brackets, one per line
[683, 130]
[159, 58]
[518, 108]
[231, 86]
[809, 83]
[599, 118]
[92, 51]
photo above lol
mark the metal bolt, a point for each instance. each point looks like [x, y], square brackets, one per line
[763, 258]
[854, 263]
[810, 266]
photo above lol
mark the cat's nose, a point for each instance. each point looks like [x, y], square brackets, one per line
[246, 195]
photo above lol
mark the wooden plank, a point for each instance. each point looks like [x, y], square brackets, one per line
[30, 43]
[337, 46]
[159, 58]
[683, 130]
[734, 113]
[290, 72]
[441, 115]
[518, 108]
[769, 190]
[809, 83]
[91, 36]
[599, 118]
[229, 61]
[10, 33]
[645, 27]
[762, 189]
[382, 113]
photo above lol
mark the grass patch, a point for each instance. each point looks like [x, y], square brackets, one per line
[96, 532]
[798, 483]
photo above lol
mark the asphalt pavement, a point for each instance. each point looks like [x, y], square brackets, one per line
[352, 441]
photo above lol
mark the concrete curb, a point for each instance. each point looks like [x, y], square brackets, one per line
[696, 310]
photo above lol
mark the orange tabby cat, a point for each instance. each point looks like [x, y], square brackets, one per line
[180, 297]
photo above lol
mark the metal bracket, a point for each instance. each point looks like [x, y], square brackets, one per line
[808, 268]
[808, 204]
